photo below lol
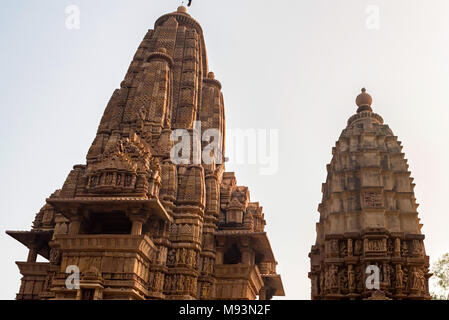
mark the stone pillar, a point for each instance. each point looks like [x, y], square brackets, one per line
[397, 247]
[220, 252]
[350, 247]
[74, 227]
[137, 224]
[263, 294]
[247, 253]
[351, 279]
[247, 256]
[32, 255]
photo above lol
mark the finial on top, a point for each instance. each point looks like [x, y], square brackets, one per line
[182, 9]
[364, 101]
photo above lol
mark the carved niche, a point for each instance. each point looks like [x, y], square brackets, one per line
[127, 167]
[237, 206]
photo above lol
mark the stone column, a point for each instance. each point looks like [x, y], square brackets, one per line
[32, 255]
[350, 247]
[397, 247]
[247, 253]
[220, 252]
[351, 279]
[247, 256]
[263, 294]
[137, 224]
[74, 227]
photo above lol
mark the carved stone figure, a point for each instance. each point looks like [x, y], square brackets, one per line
[343, 280]
[55, 256]
[332, 277]
[404, 249]
[171, 259]
[183, 256]
[343, 249]
[180, 285]
[322, 283]
[397, 247]
[351, 279]
[191, 258]
[350, 248]
[405, 282]
[168, 283]
[205, 290]
[358, 247]
[417, 248]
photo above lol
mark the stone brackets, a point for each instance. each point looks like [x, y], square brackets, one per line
[274, 282]
[34, 240]
[153, 206]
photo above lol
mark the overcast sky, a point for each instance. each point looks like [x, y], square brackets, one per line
[293, 66]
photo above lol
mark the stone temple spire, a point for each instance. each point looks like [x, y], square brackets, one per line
[368, 218]
[134, 222]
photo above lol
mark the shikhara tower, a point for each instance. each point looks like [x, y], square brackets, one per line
[368, 217]
[135, 224]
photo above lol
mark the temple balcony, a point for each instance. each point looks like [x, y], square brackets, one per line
[113, 266]
[238, 282]
[246, 267]
[33, 281]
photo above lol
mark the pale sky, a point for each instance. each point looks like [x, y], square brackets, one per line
[295, 66]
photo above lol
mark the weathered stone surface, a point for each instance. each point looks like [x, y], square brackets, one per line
[137, 225]
[368, 217]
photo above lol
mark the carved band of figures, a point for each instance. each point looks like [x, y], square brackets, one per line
[182, 256]
[377, 245]
[112, 179]
[396, 279]
[181, 284]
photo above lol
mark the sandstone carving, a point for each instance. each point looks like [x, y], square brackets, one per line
[380, 229]
[150, 228]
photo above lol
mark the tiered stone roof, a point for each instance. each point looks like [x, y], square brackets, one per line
[368, 216]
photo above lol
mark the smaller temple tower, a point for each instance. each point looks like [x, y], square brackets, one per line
[368, 217]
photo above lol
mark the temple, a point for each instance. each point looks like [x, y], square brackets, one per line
[368, 218]
[137, 225]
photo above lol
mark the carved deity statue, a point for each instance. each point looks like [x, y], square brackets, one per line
[351, 279]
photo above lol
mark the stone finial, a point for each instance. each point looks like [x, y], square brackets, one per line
[364, 101]
[211, 75]
[182, 9]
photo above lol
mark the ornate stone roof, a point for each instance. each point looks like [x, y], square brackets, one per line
[132, 212]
